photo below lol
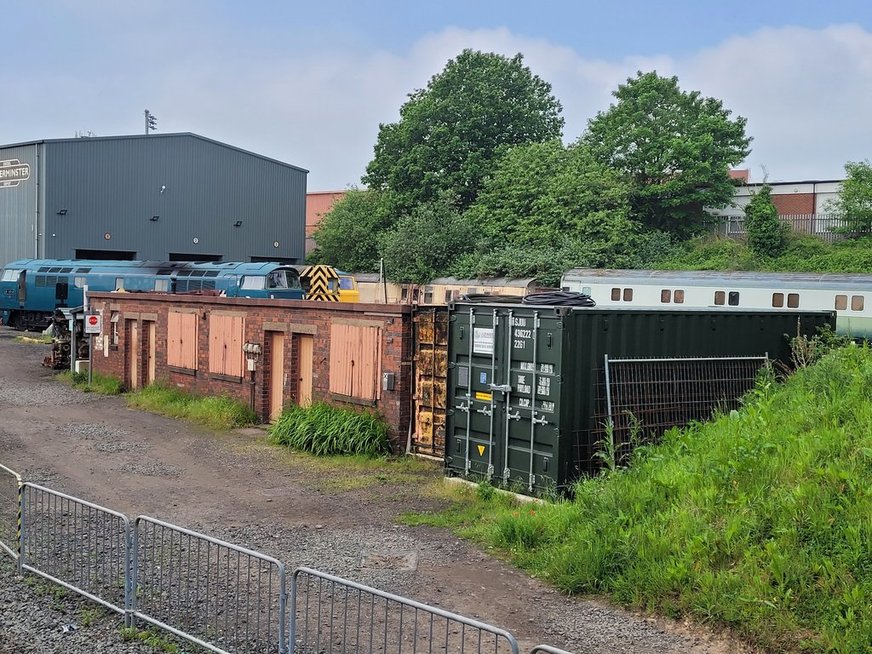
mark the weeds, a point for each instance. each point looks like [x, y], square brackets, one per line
[34, 340]
[327, 430]
[101, 384]
[219, 412]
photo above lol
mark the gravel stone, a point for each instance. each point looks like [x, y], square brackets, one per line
[43, 394]
[156, 469]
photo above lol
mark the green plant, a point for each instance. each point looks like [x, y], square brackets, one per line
[100, 383]
[767, 235]
[326, 430]
[217, 412]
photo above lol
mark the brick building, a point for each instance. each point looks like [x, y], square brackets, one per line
[344, 354]
[318, 203]
[790, 198]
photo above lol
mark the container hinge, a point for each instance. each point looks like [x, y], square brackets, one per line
[539, 421]
[490, 472]
[506, 474]
[531, 483]
[486, 410]
[513, 416]
[462, 407]
[503, 388]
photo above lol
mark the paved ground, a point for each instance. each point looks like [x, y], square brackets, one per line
[238, 487]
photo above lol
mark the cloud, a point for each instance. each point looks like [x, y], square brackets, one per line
[807, 93]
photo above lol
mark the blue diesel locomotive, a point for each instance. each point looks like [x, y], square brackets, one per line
[31, 289]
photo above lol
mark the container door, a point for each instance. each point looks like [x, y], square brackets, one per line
[305, 368]
[530, 430]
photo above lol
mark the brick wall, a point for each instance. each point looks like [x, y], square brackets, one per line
[292, 318]
[793, 203]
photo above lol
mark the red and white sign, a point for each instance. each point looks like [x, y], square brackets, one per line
[93, 323]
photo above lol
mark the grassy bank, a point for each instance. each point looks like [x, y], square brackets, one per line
[217, 412]
[761, 520]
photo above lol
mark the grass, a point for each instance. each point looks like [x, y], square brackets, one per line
[102, 384]
[760, 520]
[34, 340]
[216, 412]
[326, 430]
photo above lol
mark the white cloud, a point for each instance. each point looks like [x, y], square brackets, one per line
[807, 94]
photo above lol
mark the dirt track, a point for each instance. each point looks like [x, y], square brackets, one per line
[236, 486]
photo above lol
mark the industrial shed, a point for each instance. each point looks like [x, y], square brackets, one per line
[158, 197]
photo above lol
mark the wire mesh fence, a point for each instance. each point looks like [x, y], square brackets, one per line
[829, 227]
[331, 614]
[640, 399]
[223, 597]
[79, 545]
[10, 483]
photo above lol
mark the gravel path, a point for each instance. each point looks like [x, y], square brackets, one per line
[236, 488]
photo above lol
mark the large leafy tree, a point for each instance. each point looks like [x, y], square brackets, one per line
[854, 202]
[450, 132]
[675, 147]
[347, 237]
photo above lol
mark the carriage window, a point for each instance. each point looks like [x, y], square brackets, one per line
[733, 299]
[79, 282]
[678, 296]
[404, 294]
[447, 296]
[841, 302]
[720, 297]
[778, 300]
[162, 285]
[793, 300]
[856, 303]
[628, 295]
[616, 294]
[585, 290]
[665, 295]
[428, 297]
[253, 282]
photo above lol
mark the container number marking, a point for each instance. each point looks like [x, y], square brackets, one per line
[483, 397]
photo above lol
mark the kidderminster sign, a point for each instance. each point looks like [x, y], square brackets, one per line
[12, 171]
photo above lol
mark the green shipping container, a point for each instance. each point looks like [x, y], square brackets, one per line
[532, 388]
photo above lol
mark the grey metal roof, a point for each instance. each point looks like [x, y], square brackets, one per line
[491, 282]
[721, 278]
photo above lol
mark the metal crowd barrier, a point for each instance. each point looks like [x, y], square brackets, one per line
[547, 649]
[330, 613]
[79, 545]
[10, 511]
[215, 594]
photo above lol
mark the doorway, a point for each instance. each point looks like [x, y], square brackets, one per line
[276, 374]
[150, 335]
[304, 379]
[133, 354]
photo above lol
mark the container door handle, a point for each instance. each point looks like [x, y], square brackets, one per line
[513, 416]
[539, 421]
[462, 407]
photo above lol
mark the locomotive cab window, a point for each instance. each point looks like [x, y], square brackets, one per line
[793, 300]
[857, 303]
[253, 282]
[162, 285]
[10, 275]
[733, 299]
[720, 298]
[841, 303]
[119, 283]
[778, 300]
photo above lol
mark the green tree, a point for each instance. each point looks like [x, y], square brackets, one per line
[424, 244]
[676, 148]
[347, 237]
[854, 202]
[767, 235]
[450, 132]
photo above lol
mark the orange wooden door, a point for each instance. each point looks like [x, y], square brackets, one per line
[133, 354]
[151, 335]
[277, 375]
[305, 379]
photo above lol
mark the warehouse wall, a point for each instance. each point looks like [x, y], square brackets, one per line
[19, 200]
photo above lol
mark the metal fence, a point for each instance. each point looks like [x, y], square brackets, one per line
[829, 227]
[642, 398]
[330, 614]
[223, 597]
[79, 545]
[10, 516]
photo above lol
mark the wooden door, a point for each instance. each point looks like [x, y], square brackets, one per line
[151, 335]
[276, 374]
[133, 351]
[305, 367]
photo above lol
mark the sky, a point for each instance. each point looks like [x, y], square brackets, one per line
[309, 83]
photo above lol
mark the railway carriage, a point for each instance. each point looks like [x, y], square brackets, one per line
[846, 294]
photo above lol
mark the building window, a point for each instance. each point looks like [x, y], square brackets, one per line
[678, 296]
[733, 299]
[226, 336]
[720, 297]
[114, 319]
[793, 300]
[778, 300]
[841, 302]
[856, 303]
[665, 296]
[616, 295]
[182, 340]
[628, 295]
[355, 361]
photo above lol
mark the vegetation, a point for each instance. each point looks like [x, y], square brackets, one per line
[102, 384]
[215, 412]
[767, 235]
[328, 430]
[855, 199]
[674, 147]
[759, 520]
[42, 339]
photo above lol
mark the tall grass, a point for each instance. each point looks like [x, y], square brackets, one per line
[761, 520]
[219, 412]
[102, 384]
[326, 430]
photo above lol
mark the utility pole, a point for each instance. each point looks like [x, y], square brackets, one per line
[150, 122]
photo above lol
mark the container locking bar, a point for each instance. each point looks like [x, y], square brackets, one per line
[462, 407]
[503, 388]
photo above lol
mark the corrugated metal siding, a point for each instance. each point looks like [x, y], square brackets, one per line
[225, 344]
[355, 361]
[18, 206]
[182, 340]
[197, 187]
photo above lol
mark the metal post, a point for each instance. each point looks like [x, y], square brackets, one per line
[469, 390]
[531, 479]
[86, 307]
[611, 423]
